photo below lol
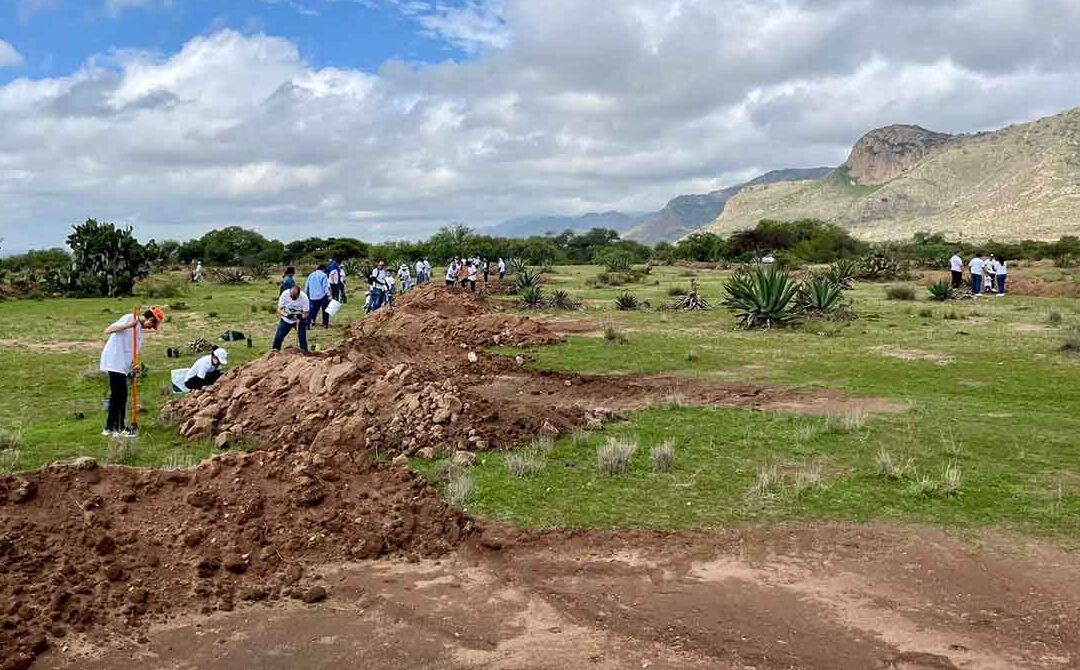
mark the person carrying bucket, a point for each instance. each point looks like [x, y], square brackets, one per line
[118, 360]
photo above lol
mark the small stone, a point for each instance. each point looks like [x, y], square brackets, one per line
[548, 429]
[207, 567]
[519, 361]
[137, 596]
[473, 357]
[463, 458]
[236, 565]
[201, 499]
[567, 383]
[105, 546]
[426, 452]
[401, 461]
[313, 595]
[114, 573]
[223, 440]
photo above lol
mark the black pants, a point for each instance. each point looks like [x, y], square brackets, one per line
[335, 291]
[118, 392]
[317, 305]
[202, 382]
[957, 279]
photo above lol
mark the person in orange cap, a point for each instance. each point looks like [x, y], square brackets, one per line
[116, 361]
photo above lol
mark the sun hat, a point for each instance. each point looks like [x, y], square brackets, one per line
[221, 355]
[159, 316]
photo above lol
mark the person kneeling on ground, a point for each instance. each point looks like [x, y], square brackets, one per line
[293, 308]
[117, 359]
[206, 370]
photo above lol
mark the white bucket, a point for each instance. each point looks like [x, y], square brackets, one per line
[177, 377]
[333, 308]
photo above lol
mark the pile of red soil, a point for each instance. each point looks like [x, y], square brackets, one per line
[404, 380]
[111, 550]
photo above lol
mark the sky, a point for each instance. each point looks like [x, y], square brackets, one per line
[386, 119]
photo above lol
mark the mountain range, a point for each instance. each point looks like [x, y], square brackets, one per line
[1020, 182]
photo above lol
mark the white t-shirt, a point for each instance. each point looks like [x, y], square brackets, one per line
[299, 305]
[335, 276]
[502, 266]
[1003, 268]
[201, 368]
[117, 354]
[451, 272]
[419, 268]
[976, 266]
[956, 264]
[472, 273]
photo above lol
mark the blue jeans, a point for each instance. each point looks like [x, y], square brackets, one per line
[316, 305]
[1001, 283]
[378, 297]
[976, 284]
[283, 329]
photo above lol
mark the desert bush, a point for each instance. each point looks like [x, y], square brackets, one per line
[880, 267]
[459, 485]
[524, 463]
[178, 306]
[613, 335]
[926, 313]
[763, 297]
[899, 292]
[626, 301]
[888, 467]
[560, 299]
[1054, 319]
[842, 273]
[941, 291]
[9, 460]
[229, 276]
[1071, 344]
[662, 456]
[547, 265]
[613, 457]
[532, 297]
[257, 269]
[120, 449]
[160, 288]
[618, 262]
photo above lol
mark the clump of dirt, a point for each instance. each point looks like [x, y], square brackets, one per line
[112, 550]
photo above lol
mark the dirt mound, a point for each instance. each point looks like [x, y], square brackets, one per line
[111, 550]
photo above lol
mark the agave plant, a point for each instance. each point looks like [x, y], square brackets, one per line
[618, 263]
[691, 300]
[229, 276]
[626, 301]
[528, 279]
[818, 297]
[547, 265]
[941, 291]
[532, 297]
[762, 297]
[560, 299]
[843, 273]
[518, 264]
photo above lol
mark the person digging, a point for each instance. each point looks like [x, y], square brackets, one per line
[206, 370]
[293, 310]
[118, 361]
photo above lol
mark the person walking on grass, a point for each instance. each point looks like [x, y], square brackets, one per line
[117, 359]
[317, 289]
[293, 308]
[379, 282]
[1002, 276]
[976, 266]
[502, 269]
[956, 267]
[206, 370]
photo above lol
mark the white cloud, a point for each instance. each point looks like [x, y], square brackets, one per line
[582, 105]
[8, 55]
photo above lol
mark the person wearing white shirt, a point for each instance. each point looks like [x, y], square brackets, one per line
[976, 266]
[471, 275]
[451, 272]
[420, 271]
[502, 269]
[956, 267]
[1002, 276]
[293, 310]
[427, 270]
[381, 283]
[118, 359]
[403, 277]
[206, 370]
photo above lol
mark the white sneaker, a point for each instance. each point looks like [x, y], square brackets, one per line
[107, 433]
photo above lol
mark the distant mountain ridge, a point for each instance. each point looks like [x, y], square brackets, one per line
[1019, 182]
[680, 216]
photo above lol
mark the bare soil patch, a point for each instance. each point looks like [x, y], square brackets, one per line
[915, 355]
[816, 598]
[1030, 327]
[57, 347]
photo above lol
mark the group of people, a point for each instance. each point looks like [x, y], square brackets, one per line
[987, 274]
[462, 271]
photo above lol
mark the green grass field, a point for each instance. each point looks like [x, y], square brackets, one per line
[991, 397]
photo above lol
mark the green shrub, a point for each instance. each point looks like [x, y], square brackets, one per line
[626, 301]
[532, 297]
[818, 297]
[900, 292]
[941, 291]
[560, 299]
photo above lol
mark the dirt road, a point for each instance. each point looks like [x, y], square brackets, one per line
[824, 597]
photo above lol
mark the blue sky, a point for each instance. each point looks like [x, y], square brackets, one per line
[386, 119]
[55, 37]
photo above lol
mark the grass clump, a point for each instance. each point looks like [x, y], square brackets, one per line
[677, 291]
[900, 292]
[120, 449]
[809, 476]
[613, 335]
[543, 445]
[9, 439]
[941, 291]
[523, 464]
[9, 460]
[613, 457]
[923, 486]
[1054, 318]
[767, 484]
[459, 484]
[1071, 344]
[888, 467]
[848, 422]
[951, 480]
[662, 456]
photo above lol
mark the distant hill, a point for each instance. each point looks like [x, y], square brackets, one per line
[542, 225]
[1019, 182]
[686, 213]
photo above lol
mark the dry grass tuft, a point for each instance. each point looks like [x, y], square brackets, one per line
[663, 456]
[613, 457]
